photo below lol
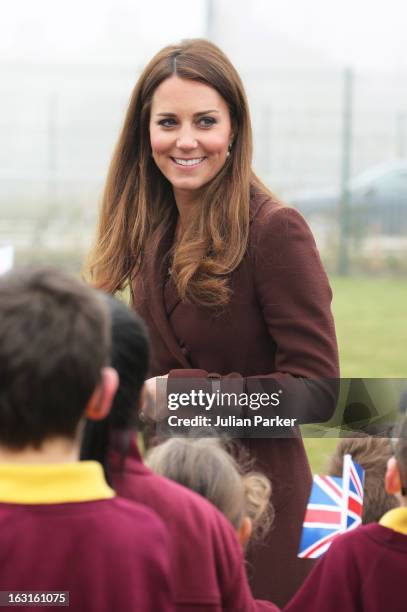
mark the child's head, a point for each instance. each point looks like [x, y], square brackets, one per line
[54, 344]
[372, 455]
[396, 474]
[130, 358]
[205, 466]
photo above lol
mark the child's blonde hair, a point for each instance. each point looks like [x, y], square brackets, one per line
[206, 466]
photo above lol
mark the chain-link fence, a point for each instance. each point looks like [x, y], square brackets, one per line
[315, 130]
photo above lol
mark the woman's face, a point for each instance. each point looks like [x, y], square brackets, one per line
[190, 132]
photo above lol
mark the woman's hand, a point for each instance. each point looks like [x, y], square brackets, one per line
[154, 406]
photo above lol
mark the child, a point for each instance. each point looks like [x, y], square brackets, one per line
[205, 466]
[372, 454]
[365, 569]
[208, 570]
[62, 529]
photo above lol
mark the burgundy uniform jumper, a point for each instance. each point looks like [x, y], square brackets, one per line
[63, 529]
[207, 567]
[363, 571]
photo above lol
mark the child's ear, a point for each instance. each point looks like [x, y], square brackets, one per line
[100, 402]
[392, 480]
[245, 531]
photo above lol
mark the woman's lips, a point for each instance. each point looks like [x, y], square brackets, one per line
[191, 162]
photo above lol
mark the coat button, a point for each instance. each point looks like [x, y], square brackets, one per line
[184, 350]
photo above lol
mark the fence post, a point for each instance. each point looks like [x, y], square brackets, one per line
[52, 149]
[210, 19]
[400, 134]
[42, 222]
[343, 263]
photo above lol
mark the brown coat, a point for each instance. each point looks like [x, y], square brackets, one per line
[278, 324]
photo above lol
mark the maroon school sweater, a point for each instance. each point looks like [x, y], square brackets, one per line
[207, 566]
[63, 529]
[363, 571]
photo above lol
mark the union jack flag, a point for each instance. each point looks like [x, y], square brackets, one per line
[335, 506]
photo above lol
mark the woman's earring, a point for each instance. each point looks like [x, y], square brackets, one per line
[229, 149]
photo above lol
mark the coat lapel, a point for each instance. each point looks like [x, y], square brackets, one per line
[156, 271]
[171, 297]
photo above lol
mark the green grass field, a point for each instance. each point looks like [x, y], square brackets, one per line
[371, 324]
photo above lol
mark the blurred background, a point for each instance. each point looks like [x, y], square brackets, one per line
[327, 86]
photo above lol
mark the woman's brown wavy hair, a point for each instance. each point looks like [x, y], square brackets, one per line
[138, 203]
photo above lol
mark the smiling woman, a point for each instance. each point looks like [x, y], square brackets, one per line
[190, 145]
[182, 168]
[227, 278]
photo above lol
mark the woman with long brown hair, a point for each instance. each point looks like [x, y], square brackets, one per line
[227, 278]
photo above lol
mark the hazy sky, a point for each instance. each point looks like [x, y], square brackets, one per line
[365, 33]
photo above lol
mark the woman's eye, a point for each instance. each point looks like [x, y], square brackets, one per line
[206, 121]
[167, 122]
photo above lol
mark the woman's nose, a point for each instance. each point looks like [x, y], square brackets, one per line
[186, 141]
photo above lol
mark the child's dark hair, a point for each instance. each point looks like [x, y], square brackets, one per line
[130, 357]
[54, 342]
[206, 466]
